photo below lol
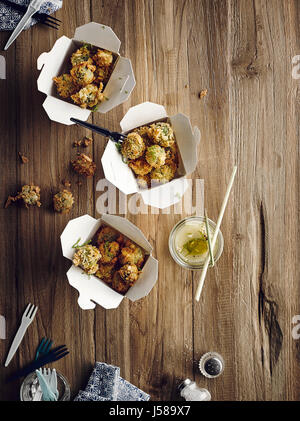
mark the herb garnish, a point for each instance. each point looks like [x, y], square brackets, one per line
[77, 246]
[95, 108]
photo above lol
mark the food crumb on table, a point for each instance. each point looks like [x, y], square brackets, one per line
[66, 183]
[23, 158]
[202, 93]
[85, 142]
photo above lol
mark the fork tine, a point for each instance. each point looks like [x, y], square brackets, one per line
[61, 353]
[58, 349]
[44, 345]
[39, 348]
[61, 350]
[50, 18]
[48, 24]
[41, 344]
[59, 356]
[27, 309]
[48, 346]
[33, 312]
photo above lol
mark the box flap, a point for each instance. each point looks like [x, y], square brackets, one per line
[187, 141]
[119, 86]
[146, 280]
[62, 111]
[116, 171]
[128, 229]
[99, 35]
[142, 114]
[50, 65]
[83, 227]
[92, 290]
[166, 195]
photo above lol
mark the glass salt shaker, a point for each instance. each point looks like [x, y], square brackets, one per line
[191, 392]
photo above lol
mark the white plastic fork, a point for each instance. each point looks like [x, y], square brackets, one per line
[46, 372]
[27, 318]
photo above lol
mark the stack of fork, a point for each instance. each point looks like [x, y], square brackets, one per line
[47, 385]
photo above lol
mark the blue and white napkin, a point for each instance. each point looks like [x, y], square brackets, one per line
[105, 384]
[9, 18]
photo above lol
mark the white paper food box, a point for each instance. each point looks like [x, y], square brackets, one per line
[55, 62]
[118, 173]
[92, 289]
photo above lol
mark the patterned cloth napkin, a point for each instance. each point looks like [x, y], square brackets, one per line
[105, 384]
[9, 18]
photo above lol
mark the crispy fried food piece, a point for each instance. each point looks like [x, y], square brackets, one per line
[172, 155]
[144, 181]
[87, 257]
[107, 233]
[30, 195]
[155, 156]
[63, 201]
[66, 86]
[129, 273]
[82, 55]
[103, 58]
[162, 134]
[109, 251]
[89, 96]
[140, 166]
[118, 284]
[145, 132]
[83, 74]
[102, 74]
[84, 165]
[105, 272]
[133, 146]
[163, 174]
[131, 254]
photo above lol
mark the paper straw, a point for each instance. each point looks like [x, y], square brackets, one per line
[215, 236]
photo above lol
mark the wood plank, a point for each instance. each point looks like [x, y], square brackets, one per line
[264, 132]
[213, 314]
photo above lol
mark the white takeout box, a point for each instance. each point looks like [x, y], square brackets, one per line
[119, 173]
[56, 61]
[92, 289]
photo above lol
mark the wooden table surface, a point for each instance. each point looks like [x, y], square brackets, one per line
[240, 51]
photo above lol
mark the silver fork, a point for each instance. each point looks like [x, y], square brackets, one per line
[27, 318]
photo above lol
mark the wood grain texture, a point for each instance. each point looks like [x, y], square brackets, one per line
[241, 52]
